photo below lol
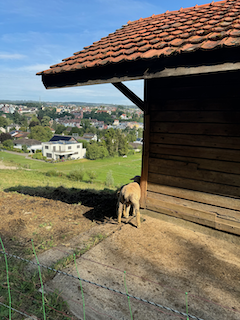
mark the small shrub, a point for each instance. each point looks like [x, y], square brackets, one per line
[77, 175]
[8, 143]
[131, 152]
[52, 173]
[92, 175]
[38, 156]
[24, 148]
[109, 179]
[26, 166]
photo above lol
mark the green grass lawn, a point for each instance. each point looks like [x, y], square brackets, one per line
[123, 169]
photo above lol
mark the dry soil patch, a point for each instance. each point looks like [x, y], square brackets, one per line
[162, 261]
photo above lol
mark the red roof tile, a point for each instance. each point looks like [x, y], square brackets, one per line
[204, 27]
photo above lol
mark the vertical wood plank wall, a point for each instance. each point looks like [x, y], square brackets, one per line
[194, 149]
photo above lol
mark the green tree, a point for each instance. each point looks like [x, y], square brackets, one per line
[74, 130]
[93, 130]
[122, 144]
[96, 151]
[23, 129]
[60, 128]
[132, 135]
[40, 133]
[85, 124]
[8, 143]
[3, 122]
[5, 136]
[45, 121]
[116, 142]
[19, 119]
[54, 125]
[33, 123]
[84, 142]
[140, 132]
[110, 139]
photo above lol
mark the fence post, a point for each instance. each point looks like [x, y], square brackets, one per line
[9, 292]
[80, 286]
[186, 305]
[129, 304]
[40, 277]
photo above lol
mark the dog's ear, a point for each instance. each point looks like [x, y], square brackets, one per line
[136, 179]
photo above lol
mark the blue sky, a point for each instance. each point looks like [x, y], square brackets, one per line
[36, 34]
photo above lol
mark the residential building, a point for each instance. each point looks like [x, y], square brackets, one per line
[139, 141]
[13, 125]
[116, 122]
[32, 144]
[123, 116]
[21, 134]
[59, 137]
[13, 133]
[62, 150]
[89, 136]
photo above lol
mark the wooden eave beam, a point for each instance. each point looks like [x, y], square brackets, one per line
[185, 64]
[130, 95]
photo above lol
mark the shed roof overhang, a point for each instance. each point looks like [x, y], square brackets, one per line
[198, 62]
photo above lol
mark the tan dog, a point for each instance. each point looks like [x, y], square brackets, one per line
[130, 195]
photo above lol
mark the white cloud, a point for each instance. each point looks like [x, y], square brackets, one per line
[33, 68]
[11, 56]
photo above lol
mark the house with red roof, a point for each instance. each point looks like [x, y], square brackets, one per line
[190, 62]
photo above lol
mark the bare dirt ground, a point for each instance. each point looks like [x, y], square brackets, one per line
[2, 166]
[52, 221]
[162, 260]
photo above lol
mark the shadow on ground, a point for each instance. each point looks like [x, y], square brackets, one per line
[102, 204]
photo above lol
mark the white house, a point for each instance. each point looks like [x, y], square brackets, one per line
[116, 122]
[32, 144]
[89, 136]
[13, 125]
[63, 150]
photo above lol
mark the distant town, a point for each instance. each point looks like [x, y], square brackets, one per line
[73, 114]
[103, 130]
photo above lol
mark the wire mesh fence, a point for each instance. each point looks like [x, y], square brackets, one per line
[24, 293]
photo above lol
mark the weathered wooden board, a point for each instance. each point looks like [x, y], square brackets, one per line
[187, 104]
[196, 116]
[195, 208]
[199, 217]
[196, 87]
[206, 164]
[202, 197]
[182, 169]
[195, 185]
[213, 129]
[190, 91]
[228, 226]
[180, 212]
[196, 140]
[196, 152]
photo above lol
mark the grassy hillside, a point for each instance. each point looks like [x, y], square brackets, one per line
[33, 172]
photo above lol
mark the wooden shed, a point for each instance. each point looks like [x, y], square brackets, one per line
[190, 62]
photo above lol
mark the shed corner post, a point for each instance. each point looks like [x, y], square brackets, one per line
[145, 152]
